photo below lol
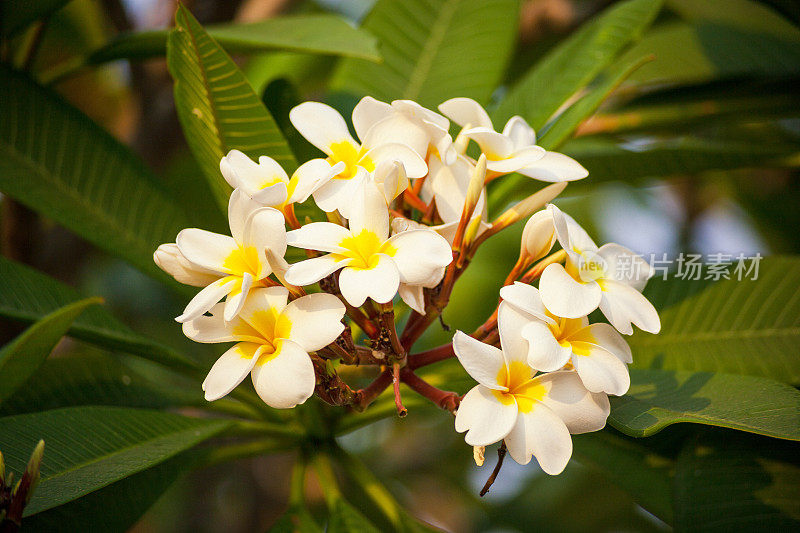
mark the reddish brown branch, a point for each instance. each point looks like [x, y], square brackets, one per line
[429, 357]
[374, 389]
[444, 399]
[398, 402]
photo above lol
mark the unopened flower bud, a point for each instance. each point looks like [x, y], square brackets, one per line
[478, 454]
[538, 236]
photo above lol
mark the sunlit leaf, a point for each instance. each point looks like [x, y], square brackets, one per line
[574, 63]
[20, 358]
[748, 326]
[88, 448]
[434, 50]
[216, 105]
[658, 398]
[320, 34]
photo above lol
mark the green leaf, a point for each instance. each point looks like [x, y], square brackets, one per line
[735, 482]
[737, 327]
[19, 14]
[88, 448]
[58, 162]
[659, 398]
[576, 62]
[28, 295]
[216, 105]
[118, 506]
[566, 124]
[344, 518]
[20, 358]
[317, 34]
[96, 379]
[643, 473]
[295, 520]
[434, 50]
[610, 158]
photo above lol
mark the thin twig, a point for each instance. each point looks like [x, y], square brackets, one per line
[398, 402]
[501, 454]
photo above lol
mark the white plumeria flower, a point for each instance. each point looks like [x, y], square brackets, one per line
[373, 264]
[447, 185]
[325, 128]
[227, 266]
[273, 342]
[597, 352]
[610, 277]
[406, 122]
[391, 180]
[414, 295]
[267, 183]
[513, 150]
[533, 414]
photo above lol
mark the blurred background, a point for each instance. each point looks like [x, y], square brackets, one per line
[694, 154]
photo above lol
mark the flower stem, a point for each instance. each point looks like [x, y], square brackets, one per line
[374, 389]
[446, 400]
[398, 402]
[429, 357]
[501, 454]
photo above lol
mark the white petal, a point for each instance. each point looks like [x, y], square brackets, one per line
[207, 298]
[625, 266]
[525, 298]
[321, 125]
[309, 177]
[542, 434]
[485, 419]
[495, 145]
[390, 178]
[312, 270]
[369, 112]
[236, 299]
[212, 329]
[539, 235]
[263, 299]
[379, 283]
[520, 133]
[412, 109]
[419, 255]
[230, 370]
[398, 128]
[466, 112]
[415, 166]
[449, 185]
[271, 196]
[169, 258]
[322, 236]
[516, 160]
[554, 167]
[286, 378]
[265, 230]
[338, 194]
[545, 354]
[369, 213]
[510, 323]
[605, 336]
[572, 237]
[563, 296]
[623, 305]
[600, 370]
[413, 296]
[205, 249]
[582, 411]
[240, 207]
[316, 320]
[483, 362]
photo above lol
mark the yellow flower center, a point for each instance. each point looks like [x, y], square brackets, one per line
[521, 387]
[243, 259]
[268, 327]
[363, 249]
[352, 156]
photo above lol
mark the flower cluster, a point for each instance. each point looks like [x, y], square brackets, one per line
[405, 211]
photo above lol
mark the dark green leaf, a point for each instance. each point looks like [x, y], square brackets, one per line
[733, 482]
[643, 473]
[297, 520]
[28, 296]
[19, 14]
[319, 34]
[94, 380]
[88, 448]
[116, 507]
[434, 50]
[20, 359]
[56, 161]
[216, 105]
[576, 62]
[732, 326]
[658, 398]
[344, 518]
